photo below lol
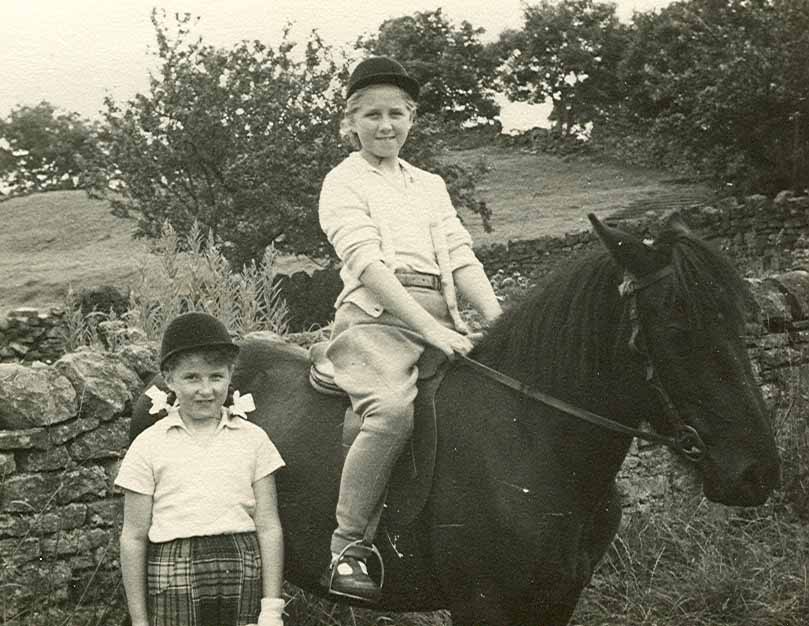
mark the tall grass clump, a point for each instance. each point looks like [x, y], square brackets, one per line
[194, 275]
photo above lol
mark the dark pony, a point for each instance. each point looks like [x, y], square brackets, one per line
[523, 503]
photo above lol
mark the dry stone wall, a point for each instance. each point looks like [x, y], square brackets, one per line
[63, 429]
[29, 334]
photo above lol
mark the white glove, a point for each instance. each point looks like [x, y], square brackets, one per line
[272, 612]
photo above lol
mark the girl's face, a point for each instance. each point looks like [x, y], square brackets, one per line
[201, 387]
[382, 121]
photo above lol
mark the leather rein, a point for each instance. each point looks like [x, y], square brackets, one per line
[686, 441]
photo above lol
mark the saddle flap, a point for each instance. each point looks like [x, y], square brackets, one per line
[412, 478]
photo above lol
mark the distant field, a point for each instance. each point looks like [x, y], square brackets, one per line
[53, 240]
[538, 194]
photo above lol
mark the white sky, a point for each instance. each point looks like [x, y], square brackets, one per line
[74, 52]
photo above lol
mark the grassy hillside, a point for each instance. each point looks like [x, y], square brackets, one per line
[539, 194]
[53, 240]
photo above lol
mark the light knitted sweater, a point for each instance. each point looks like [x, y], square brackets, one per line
[367, 218]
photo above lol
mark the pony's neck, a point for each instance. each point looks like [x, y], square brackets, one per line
[571, 339]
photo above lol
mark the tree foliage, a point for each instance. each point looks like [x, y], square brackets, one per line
[238, 140]
[450, 62]
[722, 87]
[43, 149]
[566, 53]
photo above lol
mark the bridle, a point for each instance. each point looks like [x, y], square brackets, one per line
[685, 441]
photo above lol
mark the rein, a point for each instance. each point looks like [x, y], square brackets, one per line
[686, 440]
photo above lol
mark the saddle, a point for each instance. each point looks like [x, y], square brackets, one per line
[412, 477]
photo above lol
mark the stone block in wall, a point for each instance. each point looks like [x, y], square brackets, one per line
[38, 493]
[107, 512]
[44, 460]
[757, 203]
[795, 287]
[108, 440]
[779, 359]
[76, 541]
[96, 585]
[44, 583]
[34, 396]
[141, 358]
[774, 310]
[14, 525]
[28, 493]
[70, 430]
[104, 384]
[19, 550]
[68, 517]
[24, 439]
[83, 484]
[7, 464]
[61, 518]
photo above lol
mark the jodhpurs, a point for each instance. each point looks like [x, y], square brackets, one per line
[375, 362]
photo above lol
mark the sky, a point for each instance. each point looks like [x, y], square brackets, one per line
[73, 53]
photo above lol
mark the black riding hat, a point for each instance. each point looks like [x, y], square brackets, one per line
[382, 71]
[190, 331]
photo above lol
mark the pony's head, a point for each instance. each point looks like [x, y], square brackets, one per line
[688, 303]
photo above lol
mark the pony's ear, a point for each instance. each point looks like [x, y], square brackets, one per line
[628, 251]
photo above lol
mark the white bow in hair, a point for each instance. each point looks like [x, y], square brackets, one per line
[242, 404]
[159, 399]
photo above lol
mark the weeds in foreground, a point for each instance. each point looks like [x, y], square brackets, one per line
[704, 566]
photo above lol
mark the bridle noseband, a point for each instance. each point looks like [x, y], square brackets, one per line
[685, 441]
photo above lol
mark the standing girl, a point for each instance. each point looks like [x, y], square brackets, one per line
[201, 543]
[404, 253]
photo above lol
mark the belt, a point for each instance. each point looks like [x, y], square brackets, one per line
[419, 279]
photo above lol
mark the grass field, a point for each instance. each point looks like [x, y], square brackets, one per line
[53, 240]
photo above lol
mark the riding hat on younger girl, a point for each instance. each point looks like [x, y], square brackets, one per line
[201, 543]
[404, 253]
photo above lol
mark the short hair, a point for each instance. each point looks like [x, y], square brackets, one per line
[212, 355]
[347, 134]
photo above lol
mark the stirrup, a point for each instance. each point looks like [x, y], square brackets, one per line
[373, 550]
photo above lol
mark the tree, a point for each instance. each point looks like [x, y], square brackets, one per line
[568, 53]
[42, 149]
[724, 88]
[450, 62]
[238, 140]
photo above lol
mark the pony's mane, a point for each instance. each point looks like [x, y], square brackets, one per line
[565, 332]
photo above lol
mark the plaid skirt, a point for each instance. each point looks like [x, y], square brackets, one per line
[204, 581]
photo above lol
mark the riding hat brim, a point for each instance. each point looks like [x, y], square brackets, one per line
[408, 84]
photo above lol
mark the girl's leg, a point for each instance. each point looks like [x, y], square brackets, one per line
[376, 365]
